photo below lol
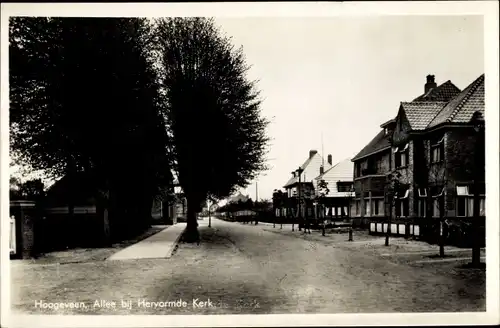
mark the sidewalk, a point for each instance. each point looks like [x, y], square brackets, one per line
[160, 245]
[400, 250]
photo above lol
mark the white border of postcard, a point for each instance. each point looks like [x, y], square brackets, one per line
[488, 9]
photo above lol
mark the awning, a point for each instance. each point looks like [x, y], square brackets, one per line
[407, 193]
[440, 194]
[422, 192]
[463, 191]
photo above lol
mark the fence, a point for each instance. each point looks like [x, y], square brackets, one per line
[398, 229]
[12, 238]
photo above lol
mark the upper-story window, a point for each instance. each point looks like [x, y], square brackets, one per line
[437, 150]
[344, 186]
[401, 155]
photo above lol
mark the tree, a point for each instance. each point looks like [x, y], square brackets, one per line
[320, 198]
[437, 181]
[392, 192]
[32, 189]
[212, 111]
[85, 98]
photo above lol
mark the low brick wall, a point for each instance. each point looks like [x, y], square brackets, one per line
[59, 231]
[457, 232]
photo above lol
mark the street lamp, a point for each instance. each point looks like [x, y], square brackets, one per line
[349, 210]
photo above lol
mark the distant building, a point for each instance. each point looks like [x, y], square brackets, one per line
[337, 202]
[303, 184]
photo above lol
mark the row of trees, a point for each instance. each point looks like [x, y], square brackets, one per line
[129, 101]
[262, 206]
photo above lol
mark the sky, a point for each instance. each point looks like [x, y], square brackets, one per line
[337, 79]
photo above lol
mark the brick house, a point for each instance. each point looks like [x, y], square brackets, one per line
[339, 181]
[436, 149]
[371, 166]
[377, 159]
[303, 184]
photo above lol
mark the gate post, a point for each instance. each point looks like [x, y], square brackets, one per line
[25, 214]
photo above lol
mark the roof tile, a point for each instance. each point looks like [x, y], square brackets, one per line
[461, 109]
[444, 92]
[421, 113]
[378, 143]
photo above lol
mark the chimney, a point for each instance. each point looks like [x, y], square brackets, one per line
[321, 169]
[329, 159]
[312, 153]
[431, 84]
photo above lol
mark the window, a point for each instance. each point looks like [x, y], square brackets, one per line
[401, 156]
[367, 207]
[398, 207]
[422, 202]
[358, 207]
[422, 207]
[358, 169]
[465, 202]
[378, 206]
[437, 151]
[437, 203]
[344, 186]
[405, 204]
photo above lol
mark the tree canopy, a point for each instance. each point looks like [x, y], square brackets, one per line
[85, 97]
[212, 109]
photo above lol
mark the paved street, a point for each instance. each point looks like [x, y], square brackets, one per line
[242, 268]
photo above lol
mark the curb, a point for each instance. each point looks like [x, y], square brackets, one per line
[175, 245]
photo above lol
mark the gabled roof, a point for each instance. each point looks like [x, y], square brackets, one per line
[238, 197]
[445, 92]
[462, 107]
[421, 113]
[342, 171]
[295, 179]
[381, 141]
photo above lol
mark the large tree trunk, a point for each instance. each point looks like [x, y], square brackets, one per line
[191, 234]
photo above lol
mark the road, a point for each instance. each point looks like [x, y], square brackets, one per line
[246, 269]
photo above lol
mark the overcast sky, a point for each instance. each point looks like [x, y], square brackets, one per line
[343, 77]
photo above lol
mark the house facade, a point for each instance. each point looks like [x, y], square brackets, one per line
[444, 157]
[435, 149]
[302, 184]
[371, 166]
[336, 203]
